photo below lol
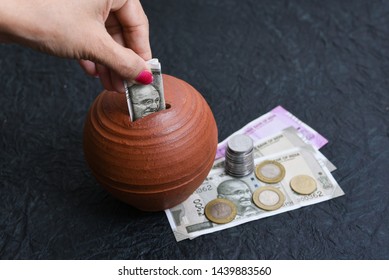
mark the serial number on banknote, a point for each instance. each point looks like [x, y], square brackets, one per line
[204, 189]
[199, 207]
[314, 195]
[241, 270]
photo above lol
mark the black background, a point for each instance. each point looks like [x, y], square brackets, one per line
[327, 62]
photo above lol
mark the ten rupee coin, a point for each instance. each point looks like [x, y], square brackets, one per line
[220, 211]
[268, 198]
[270, 171]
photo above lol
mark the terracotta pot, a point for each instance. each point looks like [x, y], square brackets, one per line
[156, 162]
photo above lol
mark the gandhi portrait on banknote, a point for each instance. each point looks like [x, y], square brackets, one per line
[240, 194]
[145, 100]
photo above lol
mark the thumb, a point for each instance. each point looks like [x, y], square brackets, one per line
[121, 60]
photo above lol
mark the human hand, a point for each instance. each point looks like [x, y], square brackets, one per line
[110, 38]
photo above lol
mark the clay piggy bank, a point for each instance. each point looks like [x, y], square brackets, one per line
[155, 162]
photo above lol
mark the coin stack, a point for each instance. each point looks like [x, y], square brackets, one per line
[239, 156]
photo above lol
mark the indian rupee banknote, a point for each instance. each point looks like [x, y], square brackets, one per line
[282, 140]
[188, 220]
[272, 122]
[143, 100]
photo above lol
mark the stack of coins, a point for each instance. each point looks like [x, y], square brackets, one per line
[239, 156]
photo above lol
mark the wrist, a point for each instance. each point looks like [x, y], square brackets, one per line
[18, 21]
[5, 21]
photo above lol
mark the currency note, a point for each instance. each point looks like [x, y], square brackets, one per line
[187, 219]
[283, 140]
[272, 122]
[143, 100]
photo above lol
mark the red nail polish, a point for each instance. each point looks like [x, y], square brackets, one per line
[145, 77]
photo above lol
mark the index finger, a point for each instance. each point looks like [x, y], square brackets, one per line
[135, 27]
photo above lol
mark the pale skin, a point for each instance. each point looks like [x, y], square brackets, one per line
[109, 38]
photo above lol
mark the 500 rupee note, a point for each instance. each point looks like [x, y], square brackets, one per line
[188, 220]
[143, 100]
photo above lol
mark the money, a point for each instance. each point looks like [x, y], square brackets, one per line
[268, 198]
[303, 184]
[270, 171]
[220, 211]
[143, 100]
[240, 144]
[280, 141]
[188, 219]
[272, 122]
[239, 156]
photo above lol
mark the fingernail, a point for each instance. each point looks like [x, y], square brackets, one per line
[145, 78]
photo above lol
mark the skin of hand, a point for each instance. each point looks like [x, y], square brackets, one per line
[110, 38]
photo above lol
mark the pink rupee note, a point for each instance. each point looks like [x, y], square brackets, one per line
[272, 122]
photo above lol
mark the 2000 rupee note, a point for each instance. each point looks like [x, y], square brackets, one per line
[272, 122]
[280, 141]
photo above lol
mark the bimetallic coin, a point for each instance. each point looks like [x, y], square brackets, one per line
[303, 184]
[268, 198]
[220, 211]
[270, 171]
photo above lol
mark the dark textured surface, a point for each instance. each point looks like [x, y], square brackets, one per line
[327, 62]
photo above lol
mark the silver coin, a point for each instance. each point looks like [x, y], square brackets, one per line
[239, 166]
[239, 156]
[271, 170]
[269, 197]
[240, 143]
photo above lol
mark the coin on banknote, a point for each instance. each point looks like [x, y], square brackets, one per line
[268, 198]
[220, 211]
[270, 171]
[240, 143]
[239, 160]
[303, 184]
